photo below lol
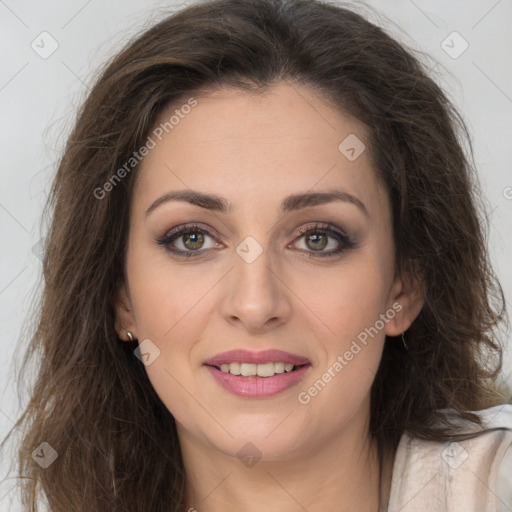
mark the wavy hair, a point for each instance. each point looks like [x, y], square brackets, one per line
[92, 400]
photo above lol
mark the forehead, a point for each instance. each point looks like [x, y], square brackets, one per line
[266, 145]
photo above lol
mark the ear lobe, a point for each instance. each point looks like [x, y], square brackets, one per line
[409, 292]
[124, 320]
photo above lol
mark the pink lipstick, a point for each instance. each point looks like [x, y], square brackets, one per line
[257, 374]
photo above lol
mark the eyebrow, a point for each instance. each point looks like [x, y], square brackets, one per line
[291, 203]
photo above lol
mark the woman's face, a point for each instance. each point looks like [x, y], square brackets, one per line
[269, 264]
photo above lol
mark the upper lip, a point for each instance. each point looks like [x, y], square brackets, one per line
[264, 356]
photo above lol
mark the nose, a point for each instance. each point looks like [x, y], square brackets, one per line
[256, 294]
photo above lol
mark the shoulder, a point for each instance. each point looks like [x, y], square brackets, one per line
[474, 475]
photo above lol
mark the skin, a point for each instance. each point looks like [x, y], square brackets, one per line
[255, 150]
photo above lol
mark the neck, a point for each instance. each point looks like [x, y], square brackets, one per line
[341, 474]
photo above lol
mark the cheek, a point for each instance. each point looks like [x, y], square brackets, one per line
[169, 308]
[173, 322]
[340, 384]
[166, 295]
[345, 300]
[350, 315]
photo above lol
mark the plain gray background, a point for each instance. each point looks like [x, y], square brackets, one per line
[40, 90]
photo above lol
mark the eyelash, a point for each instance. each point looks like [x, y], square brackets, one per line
[342, 238]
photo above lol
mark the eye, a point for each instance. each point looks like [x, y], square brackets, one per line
[316, 239]
[191, 238]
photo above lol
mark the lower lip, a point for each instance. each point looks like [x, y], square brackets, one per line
[258, 387]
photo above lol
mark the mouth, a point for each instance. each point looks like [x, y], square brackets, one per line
[262, 374]
[261, 370]
[257, 381]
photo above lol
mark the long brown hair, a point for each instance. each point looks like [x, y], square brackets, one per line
[92, 401]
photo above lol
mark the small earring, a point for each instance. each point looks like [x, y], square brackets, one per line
[403, 341]
[130, 335]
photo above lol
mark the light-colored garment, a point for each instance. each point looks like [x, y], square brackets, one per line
[473, 475]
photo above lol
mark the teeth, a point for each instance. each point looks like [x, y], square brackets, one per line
[251, 369]
[233, 368]
[246, 370]
[278, 367]
[265, 370]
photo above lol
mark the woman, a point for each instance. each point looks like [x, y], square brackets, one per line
[266, 281]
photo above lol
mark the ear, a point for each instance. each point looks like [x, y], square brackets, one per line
[407, 296]
[124, 320]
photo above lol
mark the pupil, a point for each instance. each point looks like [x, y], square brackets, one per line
[196, 240]
[315, 238]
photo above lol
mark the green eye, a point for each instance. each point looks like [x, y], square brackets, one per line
[192, 239]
